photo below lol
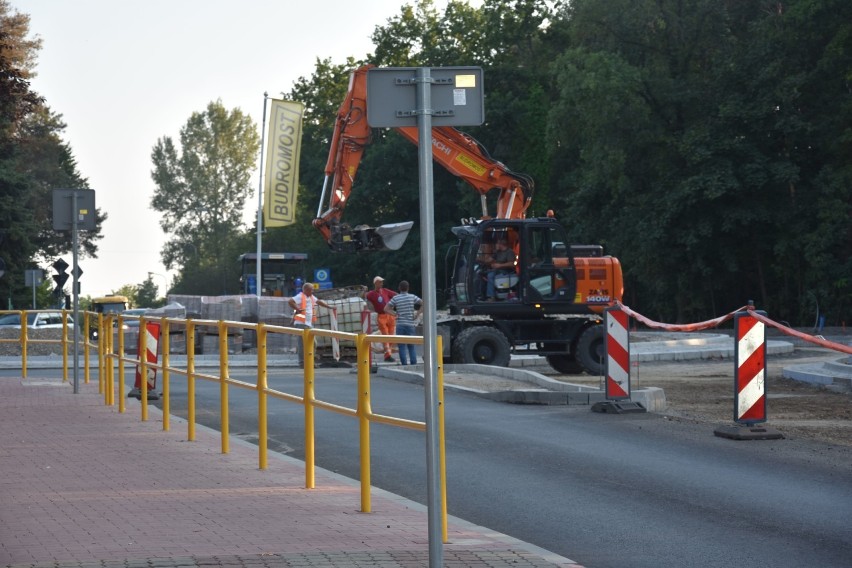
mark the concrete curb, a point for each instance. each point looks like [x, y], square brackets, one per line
[833, 375]
[543, 390]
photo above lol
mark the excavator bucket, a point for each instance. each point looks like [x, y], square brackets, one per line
[393, 235]
[366, 239]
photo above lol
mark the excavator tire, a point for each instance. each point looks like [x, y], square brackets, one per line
[481, 345]
[591, 350]
[565, 364]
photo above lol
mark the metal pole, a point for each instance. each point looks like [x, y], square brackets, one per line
[430, 328]
[257, 273]
[74, 284]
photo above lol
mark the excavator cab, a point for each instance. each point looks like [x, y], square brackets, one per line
[543, 280]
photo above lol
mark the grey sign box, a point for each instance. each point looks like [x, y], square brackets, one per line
[63, 209]
[33, 277]
[457, 96]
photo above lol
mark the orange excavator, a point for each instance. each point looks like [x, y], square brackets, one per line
[547, 302]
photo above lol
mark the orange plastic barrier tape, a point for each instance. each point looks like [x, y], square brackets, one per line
[698, 326]
[815, 339]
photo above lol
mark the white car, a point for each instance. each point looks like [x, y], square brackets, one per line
[35, 320]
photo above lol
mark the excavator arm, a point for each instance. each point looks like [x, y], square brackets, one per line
[456, 151]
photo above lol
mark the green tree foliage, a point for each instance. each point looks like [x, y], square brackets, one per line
[703, 143]
[33, 161]
[201, 189]
[146, 294]
[692, 136]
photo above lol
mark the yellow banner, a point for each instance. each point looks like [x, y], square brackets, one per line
[281, 186]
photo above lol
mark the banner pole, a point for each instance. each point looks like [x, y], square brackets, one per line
[257, 283]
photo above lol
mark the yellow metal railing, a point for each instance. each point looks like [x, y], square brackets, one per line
[110, 357]
[65, 341]
[111, 352]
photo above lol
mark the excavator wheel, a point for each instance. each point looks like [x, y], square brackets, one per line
[481, 345]
[591, 350]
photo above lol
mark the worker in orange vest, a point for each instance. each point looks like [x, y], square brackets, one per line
[304, 306]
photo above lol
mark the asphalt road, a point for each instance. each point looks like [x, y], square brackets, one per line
[634, 490]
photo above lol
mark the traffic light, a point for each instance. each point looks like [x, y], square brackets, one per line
[60, 277]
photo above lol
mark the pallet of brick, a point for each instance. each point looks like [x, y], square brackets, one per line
[191, 304]
[248, 304]
[177, 342]
[273, 307]
[210, 344]
[278, 343]
[221, 308]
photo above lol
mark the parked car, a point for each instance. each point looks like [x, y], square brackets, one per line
[127, 324]
[132, 323]
[35, 320]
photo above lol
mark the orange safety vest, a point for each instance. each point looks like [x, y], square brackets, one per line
[300, 316]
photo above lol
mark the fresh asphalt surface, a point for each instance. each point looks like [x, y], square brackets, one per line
[606, 490]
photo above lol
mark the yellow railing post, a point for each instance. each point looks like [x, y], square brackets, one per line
[363, 411]
[442, 450]
[111, 350]
[190, 380]
[120, 359]
[101, 355]
[141, 365]
[24, 338]
[84, 335]
[309, 398]
[166, 347]
[223, 384]
[109, 378]
[64, 346]
[262, 432]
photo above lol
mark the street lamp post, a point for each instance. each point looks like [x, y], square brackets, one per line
[165, 280]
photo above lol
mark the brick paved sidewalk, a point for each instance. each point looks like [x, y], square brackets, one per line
[82, 485]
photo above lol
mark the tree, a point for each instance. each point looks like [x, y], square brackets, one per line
[33, 161]
[697, 140]
[201, 189]
[146, 294]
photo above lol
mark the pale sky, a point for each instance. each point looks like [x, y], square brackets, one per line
[124, 74]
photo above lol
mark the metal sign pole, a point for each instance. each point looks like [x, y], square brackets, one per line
[430, 318]
[456, 100]
[75, 271]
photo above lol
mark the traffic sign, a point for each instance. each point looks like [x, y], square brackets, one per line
[60, 265]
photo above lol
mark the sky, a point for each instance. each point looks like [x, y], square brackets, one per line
[123, 74]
